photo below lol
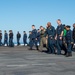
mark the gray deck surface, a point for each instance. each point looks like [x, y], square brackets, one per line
[21, 61]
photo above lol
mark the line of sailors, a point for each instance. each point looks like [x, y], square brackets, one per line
[55, 40]
[11, 43]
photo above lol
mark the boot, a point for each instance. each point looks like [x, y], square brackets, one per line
[37, 48]
[70, 54]
[67, 55]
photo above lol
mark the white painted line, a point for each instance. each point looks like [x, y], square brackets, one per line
[16, 65]
[43, 64]
[25, 65]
